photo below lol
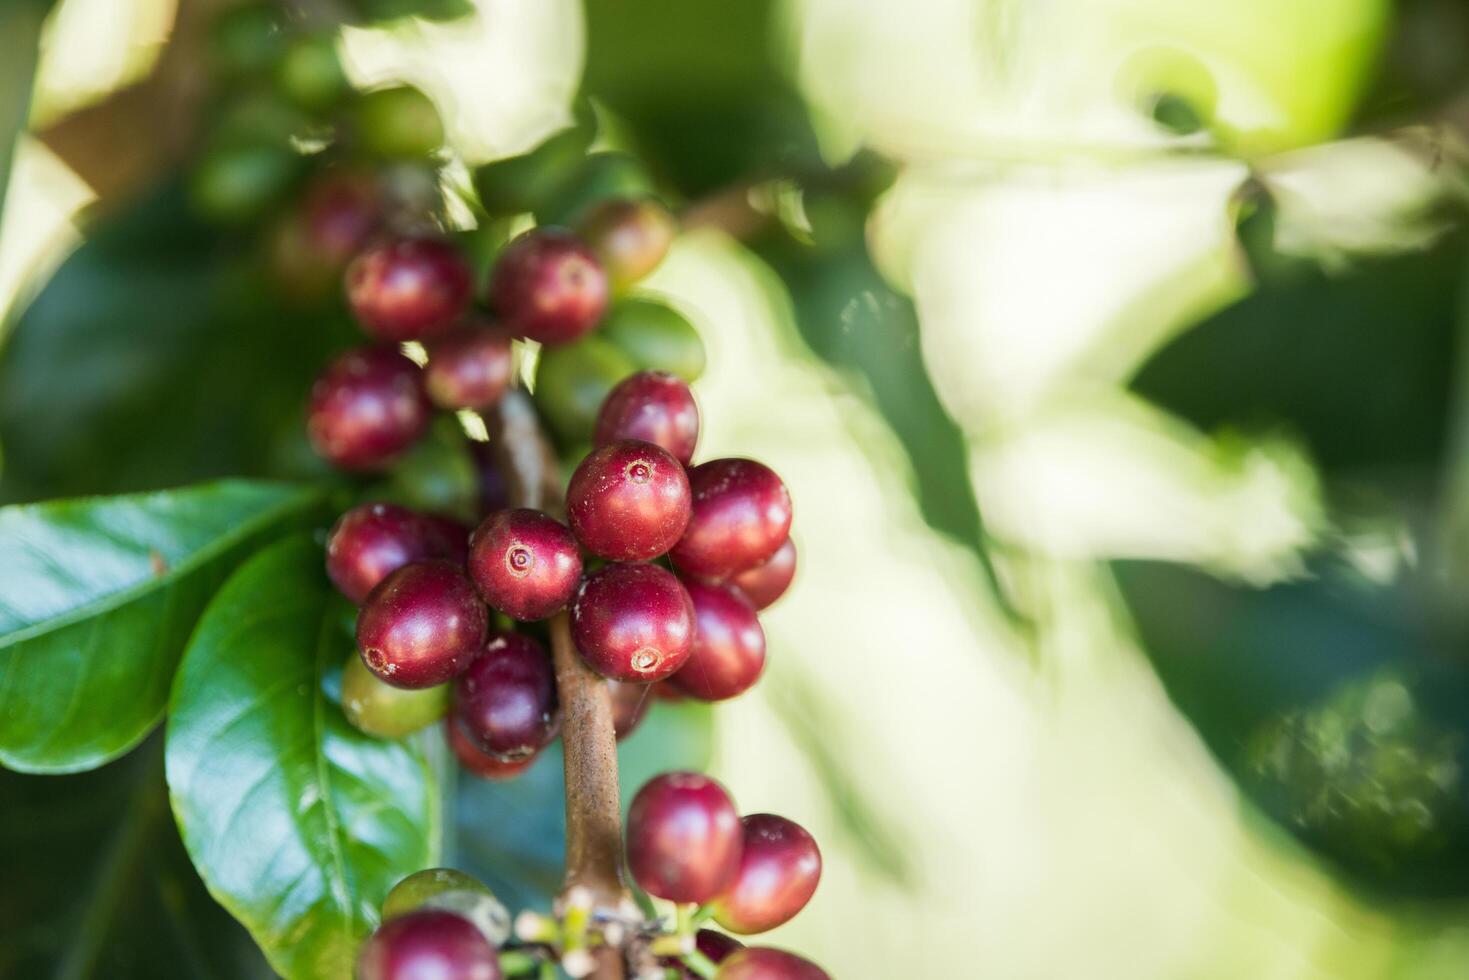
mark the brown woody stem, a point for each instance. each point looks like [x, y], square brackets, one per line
[593, 804]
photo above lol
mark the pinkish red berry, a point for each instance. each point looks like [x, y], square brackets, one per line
[366, 407]
[547, 286]
[630, 703]
[428, 943]
[780, 866]
[764, 963]
[409, 288]
[653, 406]
[481, 763]
[422, 625]
[505, 701]
[683, 838]
[633, 622]
[370, 541]
[729, 645]
[628, 501]
[741, 517]
[525, 563]
[470, 367]
[768, 581]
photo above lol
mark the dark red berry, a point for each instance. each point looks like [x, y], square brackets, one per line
[506, 700]
[366, 408]
[716, 947]
[628, 501]
[729, 645]
[653, 406]
[468, 368]
[780, 866]
[630, 704]
[768, 581]
[409, 288]
[764, 963]
[548, 286]
[450, 538]
[494, 493]
[633, 622]
[683, 837]
[422, 625]
[371, 541]
[480, 763]
[742, 515]
[524, 563]
[340, 213]
[428, 943]
[665, 691]
[629, 237]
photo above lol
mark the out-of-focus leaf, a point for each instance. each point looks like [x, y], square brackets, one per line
[298, 823]
[98, 885]
[1358, 364]
[156, 356]
[20, 32]
[97, 598]
[512, 834]
[1341, 707]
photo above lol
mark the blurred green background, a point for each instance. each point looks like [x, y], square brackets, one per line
[1113, 351]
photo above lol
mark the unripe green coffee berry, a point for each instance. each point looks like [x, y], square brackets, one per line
[398, 123]
[528, 182]
[383, 711]
[235, 184]
[655, 337]
[452, 891]
[245, 40]
[571, 382]
[599, 177]
[310, 73]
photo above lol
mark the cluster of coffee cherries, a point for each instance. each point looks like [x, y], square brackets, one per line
[686, 844]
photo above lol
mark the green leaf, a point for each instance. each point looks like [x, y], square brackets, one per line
[298, 823]
[97, 598]
[97, 883]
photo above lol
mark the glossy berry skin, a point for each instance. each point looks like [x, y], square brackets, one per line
[428, 943]
[422, 625]
[652, 406]
[409, 288]
[742, 515]
[525, 563]
[764, 963]
[371, 541]
[780, 866]
[548, 287]
[339, 214]
[505, 702]
[729, 645]
[683, 837]
[768, 581]
[482, 764]
[384, 711]
[630, 703]
[468, 368]
[633, 622]
[366, 407]
[628, 501]
[628, 236]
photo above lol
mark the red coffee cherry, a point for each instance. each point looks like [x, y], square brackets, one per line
[547, 286]
[683, 837]
[366, 407]
[780, 866]
[506, 700]
[468, 368]
[764, 963]
[628, 501]
[716, 946]
[525, 563]
[741, 517]
[633, 623]
[629, 237]
[767, 582]
[422, 625]
[630, 704]
[340, 212]
[480, 763]
[450, 538]
[729, 645]
[428, 943]
[409, 288]
[653, 406]
[370, 541]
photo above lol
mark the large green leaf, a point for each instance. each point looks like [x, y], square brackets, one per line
[97, 598]
[97, 884]
[298, 823]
